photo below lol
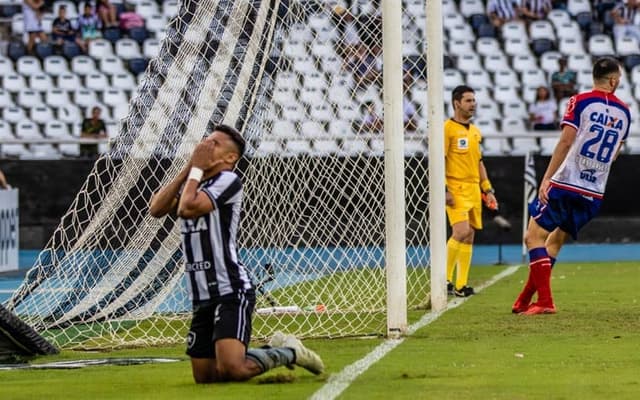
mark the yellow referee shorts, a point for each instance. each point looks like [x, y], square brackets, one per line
[467, 204]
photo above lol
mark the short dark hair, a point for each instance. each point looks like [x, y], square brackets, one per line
[235, 136]
[605, 66]
[459, 91]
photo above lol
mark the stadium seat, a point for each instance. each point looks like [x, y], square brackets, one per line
[112, 35]
[626, 45]
[5, 131]
[151, 48]
[487, 31]
[70, 114]
[460, 47]
[170, 8]
[520, 144]
[514, 30]
[69, 81]
[56, 129]
[56, 97]
[17, 24]
[449, 20]
[295, 147]
[569, 30]
[488, 45]
[451, 78]
[325, 147]
[41, 114]
[114, 97]
[71, 50]
[507, 77]
[16, 50]
[120, 111]
[505, 94]
[139, 34]
[28, 65]
[558, 16]
[471, 7]
[524, 62]
[138, 65]
[549, 61]
[96, 81]
[14, 82]
[41, 82]
[575, 7]
[147, 8]
[354, 146]
[13, 114]
[72, 11]
[340, 127]
[154, 23]
[331, 65]
[601, 45]
[85, 98]
[112, 65]
[55, 65]
[529, 93]
[495, 62]
[124, 81]
[99, 48]
[631, 61]
[577, 62]
[468, 62]
[584, 77]
[44, 50]
[269, 146]
[491, 146]
[83, 65]
[535, 77]
[488, 109]
[128, 49]
[635, 74]
[5, 99]
[321, 112]
[15, 151]
[478, 78]
[311, 129]
[515, 47]
[27, 129]
[462, 32]
[6, 66]
[515, 109]
[548, 144]
[29, 98]
[541, 46]
[542, 29]
[569, 46]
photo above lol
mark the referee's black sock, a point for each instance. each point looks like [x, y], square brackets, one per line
[272, 357]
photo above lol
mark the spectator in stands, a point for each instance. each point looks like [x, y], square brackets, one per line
[601, 7]
[349, 36]
[624, 14]
[32, 16]
[3, 181]
[371, 121]
[501, 11]
[365, 67]
[89, 25]
[92, 128]
[107, 12]
[543, 112]
[564, 81]
[535, 10]
[62, 29]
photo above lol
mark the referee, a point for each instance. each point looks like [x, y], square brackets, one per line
[207, 196]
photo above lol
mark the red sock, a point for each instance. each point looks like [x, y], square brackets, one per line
[528, 291]
[542, 279]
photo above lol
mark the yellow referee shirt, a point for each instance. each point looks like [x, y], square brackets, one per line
[462, 152]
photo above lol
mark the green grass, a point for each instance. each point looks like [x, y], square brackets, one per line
[589, 350]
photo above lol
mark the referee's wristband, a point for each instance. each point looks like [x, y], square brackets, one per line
[196, 174]
[486, 187]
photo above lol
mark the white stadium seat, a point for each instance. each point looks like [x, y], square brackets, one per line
[13, 114]
[99, 48]
[56, 129]
[524, 62]
[127, 49]
[575, 7]
[170, 8]
[28, 65]
[514, 30]
[340, 127]
[297, 147]
[124, 81]
[354, 146]
[542, 29]
[488, 109]
[468, 62]
[70, 113]
[14, 82]
[55, 65]
[151, 48]
[459, 47]
[496, 62]
[5, 99]
[85, 98]
[514, 47]
[515, 109]
[6, 66]
[549, 61]
[156, 22]
[114, 97]
[470, 7]
[600, 45]
[69, 81]
[41, 82]
[325, 146]
[29, 98]
[569, 30]
[535, 77]
[487, 45]
[505, 94]
[627, 45]
[577, 62]
[27, 129]
[112, 65]
[558, 16]
[41, 114]
[479, 78]
[96, 81]
[571, 45]
[507, 77]
[83, 65]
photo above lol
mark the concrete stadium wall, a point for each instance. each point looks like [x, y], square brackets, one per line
[48, 187]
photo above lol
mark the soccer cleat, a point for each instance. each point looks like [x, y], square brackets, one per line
[450, 289]
[519, 307]
[464, 291]
[277, 340]
[535, 309]
[305, 358]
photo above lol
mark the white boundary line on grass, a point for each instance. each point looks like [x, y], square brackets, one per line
[337, 383]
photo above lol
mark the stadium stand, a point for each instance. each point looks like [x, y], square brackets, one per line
[46, 94]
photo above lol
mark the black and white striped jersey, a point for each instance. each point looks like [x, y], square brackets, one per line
[505, 9]
[209, 242]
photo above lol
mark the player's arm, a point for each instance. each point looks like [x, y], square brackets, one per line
[567, 137]
[165, 200]
[486, 187]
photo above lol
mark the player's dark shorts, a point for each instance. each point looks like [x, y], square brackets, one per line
[567, 210]
[225, 317]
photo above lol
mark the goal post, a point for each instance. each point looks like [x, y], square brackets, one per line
[336, 225]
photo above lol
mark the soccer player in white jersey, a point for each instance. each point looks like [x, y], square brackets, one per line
[594, 126]
[207, 196]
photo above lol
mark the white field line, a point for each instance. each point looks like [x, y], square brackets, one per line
[337, 383]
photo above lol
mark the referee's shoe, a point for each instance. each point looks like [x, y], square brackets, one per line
[305, 358]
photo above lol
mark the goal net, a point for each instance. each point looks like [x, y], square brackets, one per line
[302, 80]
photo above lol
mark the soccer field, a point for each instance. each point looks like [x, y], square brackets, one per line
[479, 350]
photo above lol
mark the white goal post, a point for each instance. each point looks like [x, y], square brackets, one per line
[336, 227]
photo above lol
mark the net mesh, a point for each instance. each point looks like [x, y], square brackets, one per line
[302, 80]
